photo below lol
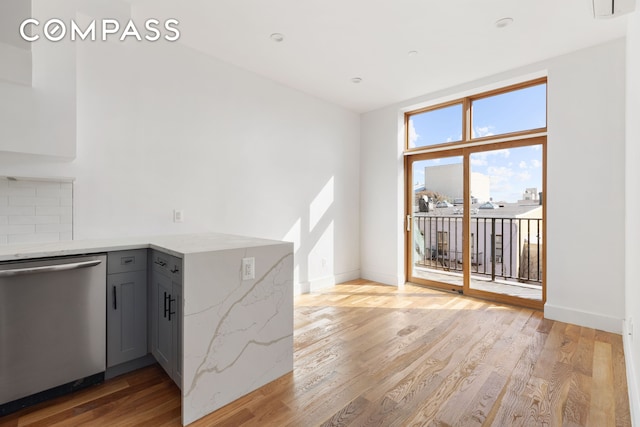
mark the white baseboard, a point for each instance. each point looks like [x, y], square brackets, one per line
[325, 282]
[583, 318]
[385, 279]
[347, 277]
[632, 379]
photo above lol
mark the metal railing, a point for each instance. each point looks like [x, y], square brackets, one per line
[504, 248]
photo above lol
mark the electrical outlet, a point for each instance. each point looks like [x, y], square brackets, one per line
[178, 215]
[248, 268]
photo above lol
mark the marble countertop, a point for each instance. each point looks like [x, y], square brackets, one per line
[177, 245]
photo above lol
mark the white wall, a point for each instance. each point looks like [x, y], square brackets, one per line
[163, 127]
[37, 92]
[585, 265]
[585, 262]
[632, 278]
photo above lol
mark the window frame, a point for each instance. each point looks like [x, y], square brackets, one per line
[467, 118]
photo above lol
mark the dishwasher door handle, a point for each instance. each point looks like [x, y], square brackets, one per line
[49, 268]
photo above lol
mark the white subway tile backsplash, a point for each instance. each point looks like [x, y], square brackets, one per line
[51, 228]
[53, 210]
[18, 191]
[33, 238]
[33, 201]
[34, 210]
[17, 229]
[18, 210]
[50, 192]
[53, 219]
[34, 183]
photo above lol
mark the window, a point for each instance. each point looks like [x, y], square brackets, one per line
[515, 110]
[498, 249]
[508, 112]
[435, 126]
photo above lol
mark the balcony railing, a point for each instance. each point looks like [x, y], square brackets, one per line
[503, 248]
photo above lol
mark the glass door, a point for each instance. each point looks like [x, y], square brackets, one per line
[507, 221]
[435, 225]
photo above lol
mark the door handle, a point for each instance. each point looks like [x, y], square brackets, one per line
[115, 299]
[408, 222]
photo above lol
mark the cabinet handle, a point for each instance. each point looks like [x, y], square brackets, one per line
[166, 298]
[175, 269]
[115, 298]
[171, 312]
[160, 263]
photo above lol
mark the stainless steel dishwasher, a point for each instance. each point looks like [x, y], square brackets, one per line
[52, 327]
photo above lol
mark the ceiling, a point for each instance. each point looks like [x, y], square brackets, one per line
[329, 42]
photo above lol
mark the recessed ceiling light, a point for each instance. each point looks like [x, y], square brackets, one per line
[356, 80]
[277, 37]
[413, 53]
[504, 22]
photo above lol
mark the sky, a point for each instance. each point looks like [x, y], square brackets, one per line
[510, 171]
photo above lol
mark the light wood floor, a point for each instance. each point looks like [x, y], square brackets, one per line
[374, 355]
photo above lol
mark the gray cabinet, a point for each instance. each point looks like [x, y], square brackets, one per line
[166, 315]
[126, 306]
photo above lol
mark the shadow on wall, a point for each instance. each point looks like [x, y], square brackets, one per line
[313, 243]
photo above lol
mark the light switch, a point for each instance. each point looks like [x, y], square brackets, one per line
[178, 215]
[248, 268]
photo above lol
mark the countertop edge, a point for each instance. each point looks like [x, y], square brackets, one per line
[176, 245]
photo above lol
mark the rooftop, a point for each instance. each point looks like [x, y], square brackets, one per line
[530, 209]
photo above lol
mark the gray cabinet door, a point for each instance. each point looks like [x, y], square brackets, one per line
[126, 317]
[166, 315]
[162, 343]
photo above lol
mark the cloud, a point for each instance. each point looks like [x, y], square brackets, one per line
[523, 164]
[501, 172]
[413, 134]
[480, 131]
[523, 176]
[478, 161]
[483, 156]
[535, 163]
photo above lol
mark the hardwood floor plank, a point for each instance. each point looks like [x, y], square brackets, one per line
[478, 395]
[512, 406]
[602, 413]
[576, 412]
[373, 355]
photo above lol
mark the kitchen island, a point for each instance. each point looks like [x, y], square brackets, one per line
[236, 335]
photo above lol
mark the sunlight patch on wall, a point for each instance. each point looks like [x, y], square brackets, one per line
[321, 204]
